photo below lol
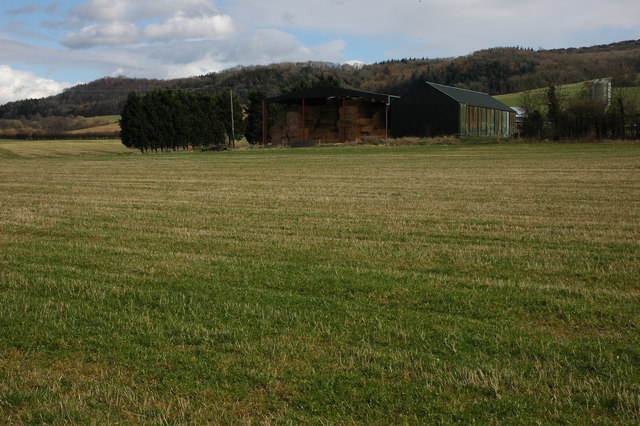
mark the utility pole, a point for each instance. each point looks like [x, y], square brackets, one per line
[386, 118]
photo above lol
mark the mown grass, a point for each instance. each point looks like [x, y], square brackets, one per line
[435, 284]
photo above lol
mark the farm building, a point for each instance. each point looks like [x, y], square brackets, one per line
[434, 109]
[330, 115]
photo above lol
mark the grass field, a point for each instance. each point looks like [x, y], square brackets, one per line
[17, 149]
[436, 284]
[570, 91]
[100, 124]
[107, 128]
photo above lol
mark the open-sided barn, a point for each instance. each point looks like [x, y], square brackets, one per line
[333, 114]
[330, 115]
[434, 109]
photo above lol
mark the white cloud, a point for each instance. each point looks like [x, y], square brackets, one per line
[123, 22]
[109, 34]
[260, 47]
[17, 85]
[103, 10]
[451, 27]
[140, 10]
[181, 26]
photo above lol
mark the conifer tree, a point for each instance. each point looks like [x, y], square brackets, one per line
[169, 120]
[255, 117]
[132, 123]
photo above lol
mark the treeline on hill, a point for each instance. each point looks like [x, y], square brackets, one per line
[552, 114]
[180, 120]
[494, 71]
[101, 97]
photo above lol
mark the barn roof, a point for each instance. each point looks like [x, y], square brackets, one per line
[326, 92]
[469, 97]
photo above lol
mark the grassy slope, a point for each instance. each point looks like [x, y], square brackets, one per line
[420, 284]
[107, 128]
[96, 125]
[570, 90]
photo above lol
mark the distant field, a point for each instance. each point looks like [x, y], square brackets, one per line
[371, 285]
[60, 125]
[12, 149]
[96, 125]
[103, 119]
[107, 128]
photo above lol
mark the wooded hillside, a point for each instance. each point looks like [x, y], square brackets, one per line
[495, 71]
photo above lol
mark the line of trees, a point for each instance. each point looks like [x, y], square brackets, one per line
[164, 120]
[180, 120]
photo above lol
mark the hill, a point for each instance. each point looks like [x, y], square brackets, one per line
[497, 71]
[569, 91]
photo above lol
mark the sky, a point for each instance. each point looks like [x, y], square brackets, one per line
[47, 46]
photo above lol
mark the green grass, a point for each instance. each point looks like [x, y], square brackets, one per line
[437, 284]
[109, 118]
[571, 91]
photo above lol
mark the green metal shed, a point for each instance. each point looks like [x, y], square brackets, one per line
[434, 109]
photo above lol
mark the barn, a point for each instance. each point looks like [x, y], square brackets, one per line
[330, 115]
[434, 109]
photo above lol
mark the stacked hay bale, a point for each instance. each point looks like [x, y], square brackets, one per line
[361, 119]
[288, 128]
[323, 126]
[336, 121]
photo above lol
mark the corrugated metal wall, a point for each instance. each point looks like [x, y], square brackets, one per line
[479, 121]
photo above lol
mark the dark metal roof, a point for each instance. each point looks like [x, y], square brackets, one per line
[326, 92]
[469, 97]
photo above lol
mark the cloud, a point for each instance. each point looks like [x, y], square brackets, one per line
[163, 39]
[93, 62]
[261, 47]
[23, 29]
[123, 22]
[30, 9]
[109, 34]
[140, 10]
[24, 10]
[102, 10]
[184, 58]
[17, 85]
[449, 27]
[181, 26]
